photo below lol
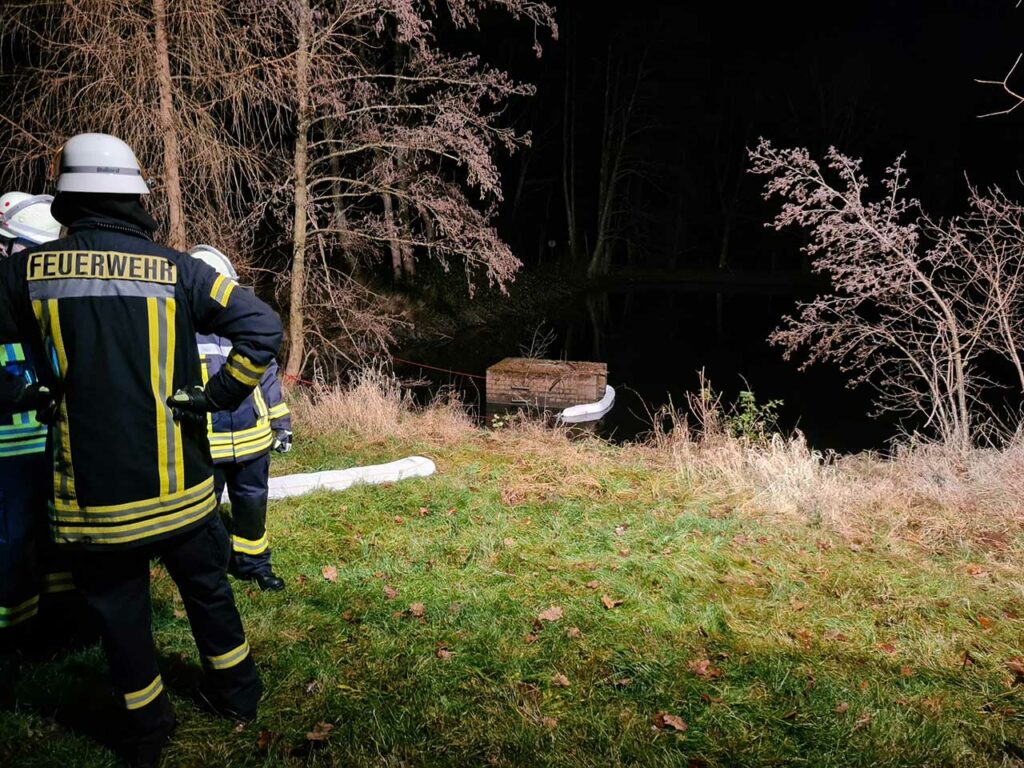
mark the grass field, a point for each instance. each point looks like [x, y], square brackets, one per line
[523, 609]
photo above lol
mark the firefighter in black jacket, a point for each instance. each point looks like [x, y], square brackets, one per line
[117, 315]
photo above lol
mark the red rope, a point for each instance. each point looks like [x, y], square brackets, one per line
[289, 377]
[441, 370]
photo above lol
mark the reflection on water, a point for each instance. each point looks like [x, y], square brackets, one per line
[656, 339]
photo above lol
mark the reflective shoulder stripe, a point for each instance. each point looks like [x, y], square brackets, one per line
[222, 289]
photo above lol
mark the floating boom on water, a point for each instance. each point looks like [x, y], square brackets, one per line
[340, 479]
[581, 414]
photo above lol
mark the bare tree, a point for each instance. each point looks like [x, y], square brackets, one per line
[400, 144]
[174, 79]
[915, 302]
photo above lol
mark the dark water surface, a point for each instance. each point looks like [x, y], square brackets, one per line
[655, 339]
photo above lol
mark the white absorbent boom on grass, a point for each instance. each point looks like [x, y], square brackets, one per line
[340, 479]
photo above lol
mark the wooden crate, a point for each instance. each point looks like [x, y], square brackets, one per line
[555, 384]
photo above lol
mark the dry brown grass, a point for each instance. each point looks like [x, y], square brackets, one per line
[928, 495]
[374, 406]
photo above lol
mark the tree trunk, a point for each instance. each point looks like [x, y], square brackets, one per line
[297, 314]
[404, 222]
[172, 172]
[396, 247]
[569, 152]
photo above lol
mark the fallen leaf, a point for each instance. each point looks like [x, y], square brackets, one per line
[530, 638]
[709, 699]
[863, 685]
[390, 592]
[263, 741]
[663, 721]
[703, 668]
[554, 613]
[424, 512]
[450, 511]
[855, 547]
[550, 722]
[976, 571]
[314, 687]
[573, 632]
[622, 682]
[301, 578]
[906, 672]
[803, 637]
[417, 610]
[968, 659]
[609, 603]
[509, 542]
[320, 732]
[179, 614]
[842, 708]
[239, 728]
[330, 573]
[796, 604]
[836, 635]
[399, 519]
[346, 615]
[444, 654]
[624, 552]
[621, 529]
[560, 680]
[887, 648]
[791, 715]
[1016, 666]
[985, 622]
[862, 721]
[593, 584]
[740, 538]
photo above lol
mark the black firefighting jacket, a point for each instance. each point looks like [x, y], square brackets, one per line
[117, 314]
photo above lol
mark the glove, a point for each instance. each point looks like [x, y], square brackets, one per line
[282, 440]
[39, 398]
[191, 405]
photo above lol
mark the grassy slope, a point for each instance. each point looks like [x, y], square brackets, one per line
[828, 656]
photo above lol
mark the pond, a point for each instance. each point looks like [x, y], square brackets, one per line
[655, 339]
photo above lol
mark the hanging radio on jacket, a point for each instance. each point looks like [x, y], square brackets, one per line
[240, 444]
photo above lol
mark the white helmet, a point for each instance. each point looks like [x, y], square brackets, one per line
[28, 217]
[98, 162]
[216, 259]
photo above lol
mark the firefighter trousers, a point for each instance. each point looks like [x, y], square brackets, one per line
[116, 586]
[247, 483]
[39, 610]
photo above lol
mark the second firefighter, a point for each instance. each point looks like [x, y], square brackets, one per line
[240, 443]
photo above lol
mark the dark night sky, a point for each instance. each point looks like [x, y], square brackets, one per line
[875, 78]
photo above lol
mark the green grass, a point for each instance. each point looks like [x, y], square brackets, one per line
[820, 654]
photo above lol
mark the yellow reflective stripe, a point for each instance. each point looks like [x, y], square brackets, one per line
[8, 610]
[16, 614]
[58, 582]
[249, 547]
[222, 289]
[229, 659]
[240, 375]
[146, 506]
[139, 699]
[215, 289]
[248, 365]
[144, 529]
[176, 442]
[64, 476]
[279, 411]
[152, 309]
[242, 434]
